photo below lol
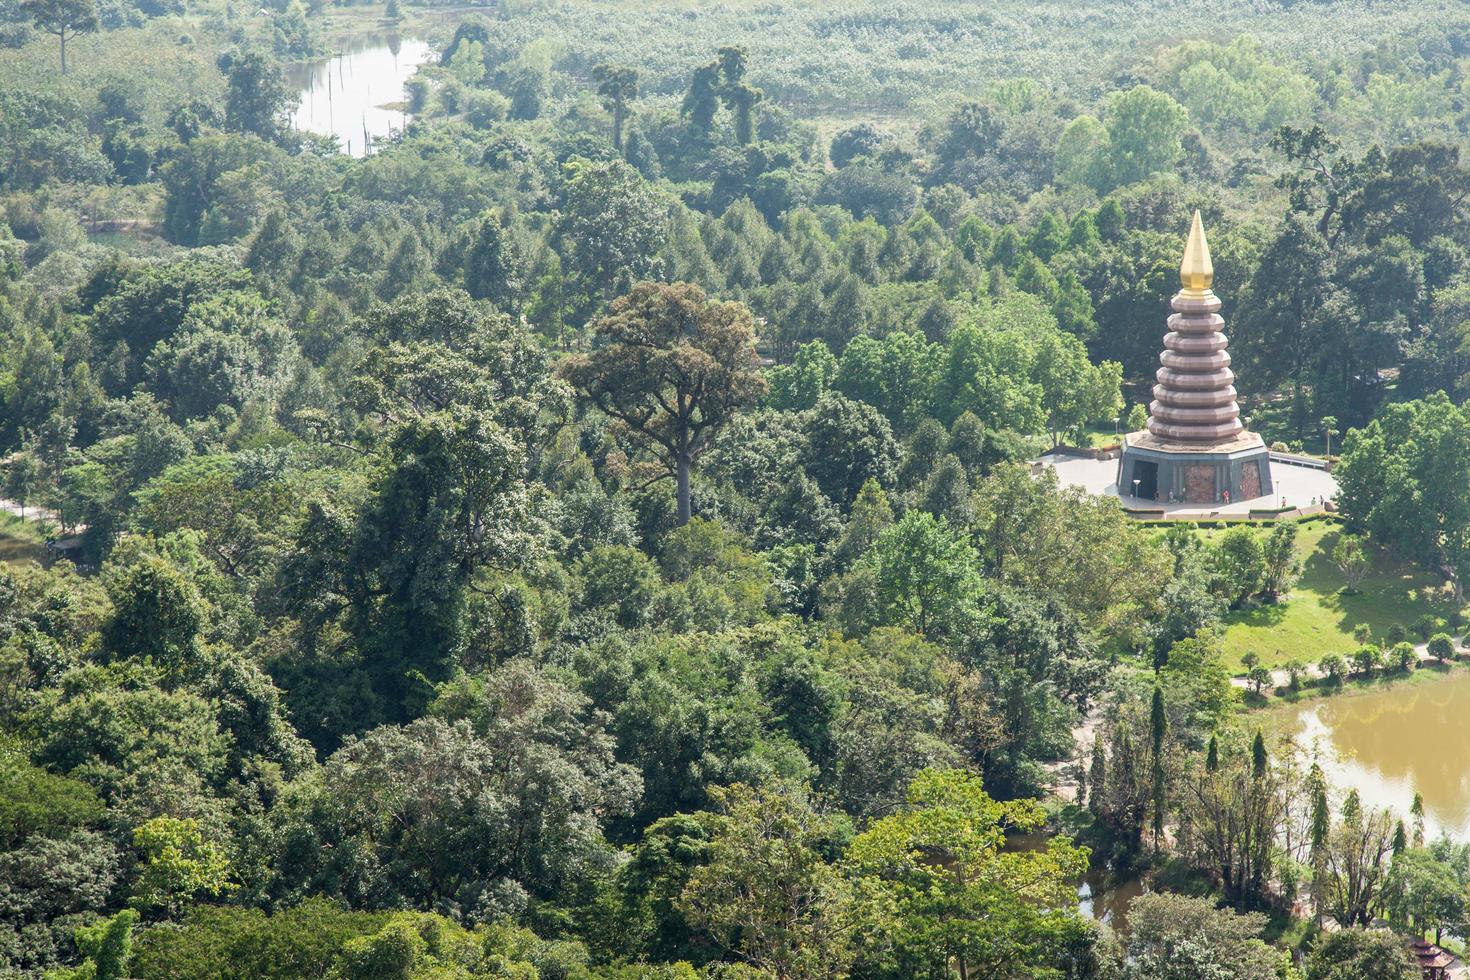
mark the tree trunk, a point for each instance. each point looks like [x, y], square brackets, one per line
[62, 35]
[682, 467]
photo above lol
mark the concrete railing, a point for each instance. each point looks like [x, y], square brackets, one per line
[1294, 459]
[1107, 452]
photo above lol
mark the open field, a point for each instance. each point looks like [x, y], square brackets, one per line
[1318, 618]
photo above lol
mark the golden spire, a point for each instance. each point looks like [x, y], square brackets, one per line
[1196, 272]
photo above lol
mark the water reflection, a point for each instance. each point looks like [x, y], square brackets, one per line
[1391, 743]
[357, 94]
[1101, 894]
[1105, 897]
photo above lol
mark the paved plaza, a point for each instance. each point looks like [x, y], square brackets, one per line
[1302, 487]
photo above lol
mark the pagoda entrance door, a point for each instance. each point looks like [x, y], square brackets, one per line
[1199, 484]
[1146, 476]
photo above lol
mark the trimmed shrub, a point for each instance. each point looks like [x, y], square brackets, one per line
[1366, 659]
[1334, 666]
[1294, 670]
[1442, 647]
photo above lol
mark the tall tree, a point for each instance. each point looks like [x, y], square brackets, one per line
[107, 946]
[1158, 724]
[1074, 389]
[1235, 813]
[673, 366]
[612, 230]
[491, 269]
[499, 793]
[924, 574]
[1279, 323]
[1323, 179]
[766, 893]
[1097, 774]
[1319, 825]
[256, 97]
[1145, 128]
[1281, 563]
[450, 500]
[618, 86]
[847, 444]
[157, 615]
[64, 18]
[1405, 477]
[702, 99]
[742, 99]
[1421, 892]
[1355, 860]
[1351, 954]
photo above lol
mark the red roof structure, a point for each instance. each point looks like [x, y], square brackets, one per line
[1434, 963]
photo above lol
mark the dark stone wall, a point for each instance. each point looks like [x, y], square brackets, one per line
[1199, 479]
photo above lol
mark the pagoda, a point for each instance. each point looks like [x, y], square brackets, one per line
[1196, 449]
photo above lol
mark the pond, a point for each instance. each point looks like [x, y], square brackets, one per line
[1101, 894]
[1390, 743]
[357, 94]
[1104, 896]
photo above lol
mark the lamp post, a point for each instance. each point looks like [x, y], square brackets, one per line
[1136, 482]
[1115, 424]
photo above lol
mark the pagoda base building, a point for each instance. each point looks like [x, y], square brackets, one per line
[1179, 472]
[1195, 449]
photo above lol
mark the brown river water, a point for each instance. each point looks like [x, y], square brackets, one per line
[1387, 744]
[1101, 894]
[1390, 743]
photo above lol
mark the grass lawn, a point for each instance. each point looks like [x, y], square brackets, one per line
[20, 541]
[1098, 436]
[1318, 618]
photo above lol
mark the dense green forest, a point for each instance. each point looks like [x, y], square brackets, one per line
[591, 535]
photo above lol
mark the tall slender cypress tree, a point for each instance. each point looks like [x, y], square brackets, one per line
[1097, 776]
[1159, 726]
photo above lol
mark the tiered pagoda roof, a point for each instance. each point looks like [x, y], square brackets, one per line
[1194, 399]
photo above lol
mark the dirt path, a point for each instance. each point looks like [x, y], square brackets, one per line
[1282, 678]
[1063, 775]
[32, 513]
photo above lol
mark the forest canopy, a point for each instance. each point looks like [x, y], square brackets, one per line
[591, 531]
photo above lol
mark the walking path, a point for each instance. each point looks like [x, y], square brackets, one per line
[1062, 771]
[30, 512]
[1280, 677]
